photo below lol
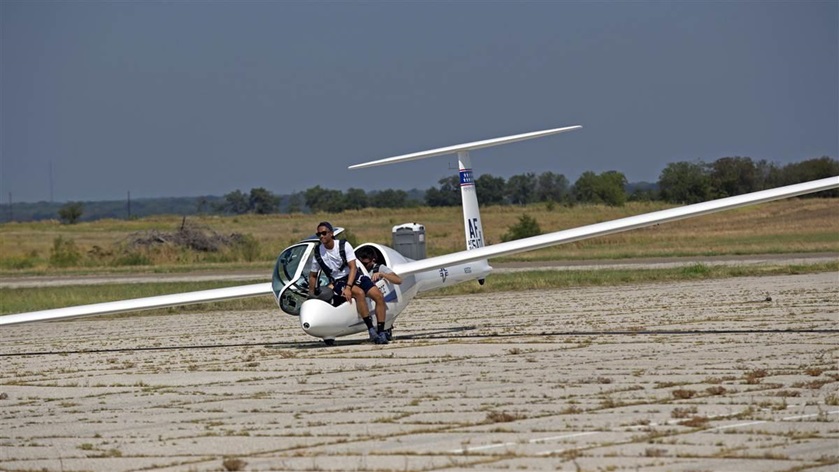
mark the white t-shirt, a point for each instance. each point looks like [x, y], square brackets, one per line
[332, 259]
[384, 269]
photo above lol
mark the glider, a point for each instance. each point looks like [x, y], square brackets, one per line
[323, 320]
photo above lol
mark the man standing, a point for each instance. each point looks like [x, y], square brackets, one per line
[337, 260]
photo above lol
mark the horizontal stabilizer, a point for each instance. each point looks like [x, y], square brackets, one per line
[614, 226]
[147, 303]
[464, 147]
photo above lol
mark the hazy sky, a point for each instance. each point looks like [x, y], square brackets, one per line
[188, 98]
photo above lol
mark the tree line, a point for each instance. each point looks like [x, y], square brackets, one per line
[679, 183]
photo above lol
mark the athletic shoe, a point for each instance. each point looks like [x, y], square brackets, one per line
[389, 334]
[381, 338]
[374, 335]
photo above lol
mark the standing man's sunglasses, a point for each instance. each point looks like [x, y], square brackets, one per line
[322, 233]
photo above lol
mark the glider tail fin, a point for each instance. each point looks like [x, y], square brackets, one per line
[471, 214]
[472, 226]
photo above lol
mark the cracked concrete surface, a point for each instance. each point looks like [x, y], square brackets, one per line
[702, 375]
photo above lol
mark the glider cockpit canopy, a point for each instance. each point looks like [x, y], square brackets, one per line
[290, 280]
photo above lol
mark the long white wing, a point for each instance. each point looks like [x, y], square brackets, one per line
[497, 250]
[614, 226]
[147, 303]
[465, 147]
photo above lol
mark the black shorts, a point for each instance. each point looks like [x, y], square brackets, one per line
[362, 281]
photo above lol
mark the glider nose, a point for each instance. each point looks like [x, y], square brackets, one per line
[314, 317]
[322, 320]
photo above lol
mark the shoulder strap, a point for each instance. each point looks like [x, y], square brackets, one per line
[326, 270]
[341, 249]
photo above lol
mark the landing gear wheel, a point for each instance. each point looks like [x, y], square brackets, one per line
[329, 342]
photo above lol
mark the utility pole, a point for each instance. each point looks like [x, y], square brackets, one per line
[51, 200]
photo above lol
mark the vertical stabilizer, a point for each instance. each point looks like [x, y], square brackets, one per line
[471, 213]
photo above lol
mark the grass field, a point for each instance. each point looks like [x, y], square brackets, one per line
[787, 226]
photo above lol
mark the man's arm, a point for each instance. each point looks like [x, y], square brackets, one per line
[313, 279]
[353, 272]
[388, 274]
[350, 280]
[393, 278]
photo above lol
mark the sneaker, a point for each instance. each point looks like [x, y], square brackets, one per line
[374, 335]
[381, 338]
[389, 334]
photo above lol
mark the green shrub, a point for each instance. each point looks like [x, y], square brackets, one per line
[525, 228]
[64, 253]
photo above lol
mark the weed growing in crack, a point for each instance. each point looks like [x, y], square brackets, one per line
[683, 393]
[504, 416]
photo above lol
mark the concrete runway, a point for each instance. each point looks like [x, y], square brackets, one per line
[734, 374]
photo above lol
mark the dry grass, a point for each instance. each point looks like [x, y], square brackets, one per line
[716, 390]
[695, 422]
[754, 376]
[504, 416]
[797, 225]
[683, 393]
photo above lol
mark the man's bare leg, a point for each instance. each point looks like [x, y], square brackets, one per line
[361, 308]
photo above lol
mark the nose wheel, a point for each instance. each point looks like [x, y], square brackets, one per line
[329, 342]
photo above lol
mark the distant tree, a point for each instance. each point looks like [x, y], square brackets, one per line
[732, 176]
[326, 200]
[608, 188]
[642, 191]
[526, 227]
[389, 199]
[490, 189]
[521, 188]
[356, 199]
[448, 194]
[235, 202]
[685, 182]
[804, 171]
[263, 202]
[585, 188]
[764, 170]
[70, 212]
[551, 187]
[612, 188]
[820, 168]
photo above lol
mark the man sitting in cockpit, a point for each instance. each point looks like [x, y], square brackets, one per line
[338, 262]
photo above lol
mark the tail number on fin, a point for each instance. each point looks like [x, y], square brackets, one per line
[476, 238]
